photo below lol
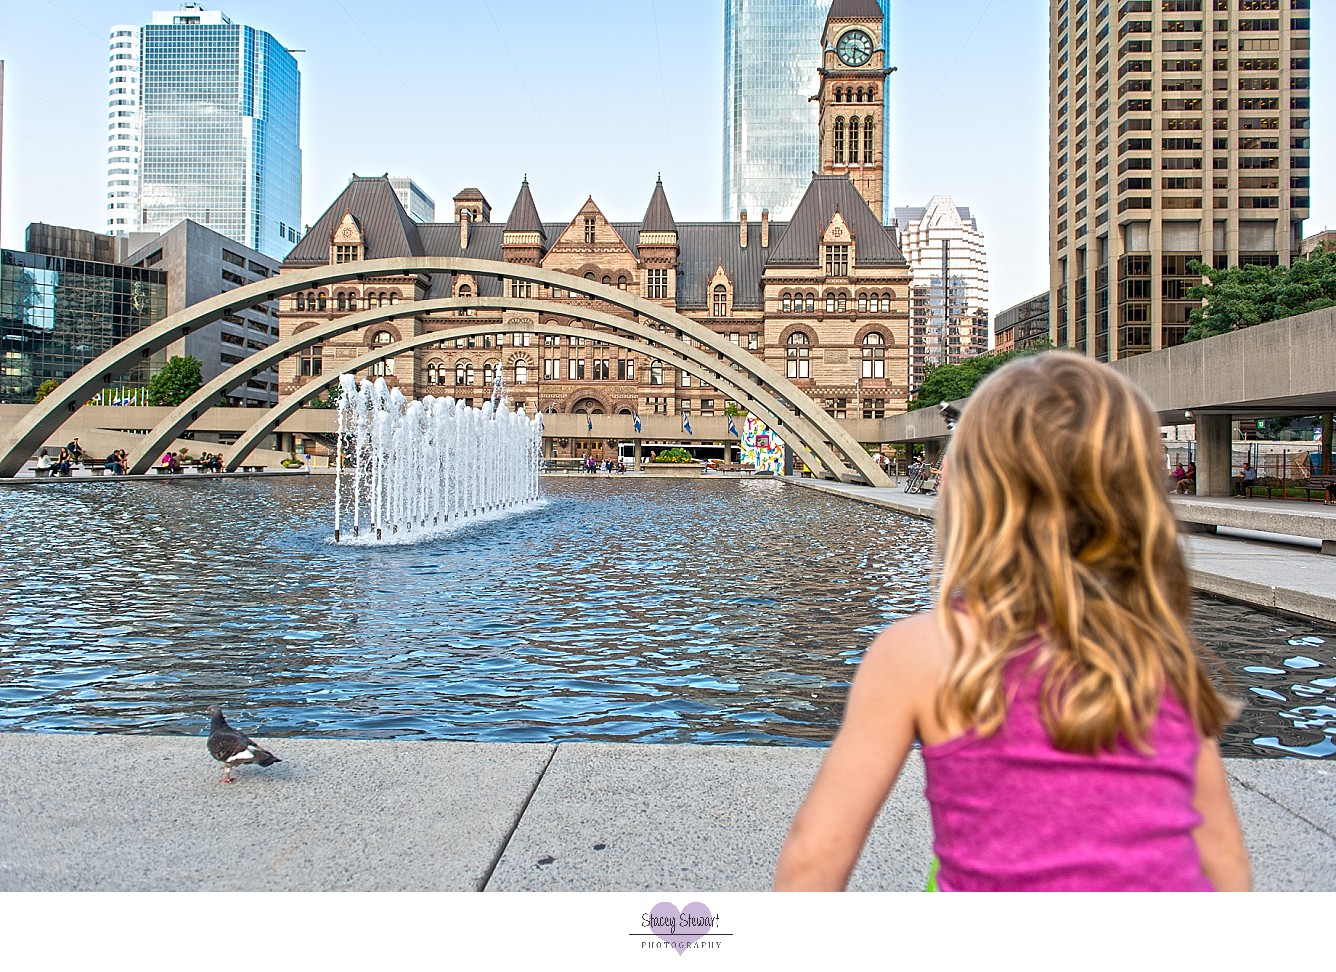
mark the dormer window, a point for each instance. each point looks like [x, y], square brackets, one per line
[347, 252]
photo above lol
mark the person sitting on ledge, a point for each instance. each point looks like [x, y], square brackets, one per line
[1188, 484]
[45, 464]
[65, 465]
[1246, 481]
[114, 463]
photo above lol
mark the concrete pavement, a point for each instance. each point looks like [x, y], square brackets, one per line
[147, 813]
[1277, 576]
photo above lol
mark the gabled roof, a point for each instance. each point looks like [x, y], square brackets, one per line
[855, 10]
[387, 230]
[524, 214]
[800, 243]
[658, 217]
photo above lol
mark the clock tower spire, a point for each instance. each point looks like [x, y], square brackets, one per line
[852, 97]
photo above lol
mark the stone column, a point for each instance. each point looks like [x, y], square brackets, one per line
[1214, 440]
[636, 466]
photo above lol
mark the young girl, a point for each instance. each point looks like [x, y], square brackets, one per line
[1067, 722]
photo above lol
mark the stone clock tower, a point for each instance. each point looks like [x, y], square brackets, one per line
[852, 97]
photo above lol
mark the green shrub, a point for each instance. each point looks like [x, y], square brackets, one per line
[673, 455]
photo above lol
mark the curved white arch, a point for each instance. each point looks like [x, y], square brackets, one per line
[650, 340]
[44, 419]
[251, 438]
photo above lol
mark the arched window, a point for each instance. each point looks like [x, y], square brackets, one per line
[621, 282]
[853, 139]
[786, 303]
[322, 300]
[382, 337]
[830, 303]
[839, 96]
[862, 303]
[860, 95]
[489, 372]
[341, 300]
[433, 373]
[799, 356]
[486, 340]
[464, 292]
[299, 303]
[380, 298]
[867, 139]
[394, 299]
[606, 281]
[872, 93]
[885, 303]
[656, 372]
[521, 372]
[459, 372]
[874, 356]
[839, 139]
[720, 300]
[809, 303]
[589, 275]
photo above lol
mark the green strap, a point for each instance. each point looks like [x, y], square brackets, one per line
[932, 876]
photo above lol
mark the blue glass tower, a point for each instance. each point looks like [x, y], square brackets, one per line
[220, 121]
[772, 52]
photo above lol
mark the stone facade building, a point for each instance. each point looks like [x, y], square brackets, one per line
[822, 297]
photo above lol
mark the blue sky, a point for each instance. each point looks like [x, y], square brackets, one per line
[588, 97]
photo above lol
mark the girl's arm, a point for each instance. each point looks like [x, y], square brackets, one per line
[1224, 858]
[863, 761]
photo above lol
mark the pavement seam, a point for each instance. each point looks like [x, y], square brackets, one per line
[524, 807]
[1254, 788]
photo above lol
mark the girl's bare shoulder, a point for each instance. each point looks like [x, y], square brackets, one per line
[911, 647]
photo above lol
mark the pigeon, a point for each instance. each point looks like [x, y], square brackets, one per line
[232, 748]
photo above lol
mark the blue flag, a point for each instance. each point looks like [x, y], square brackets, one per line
[686, 423]
[635, 419]
[590, 421]
[732, 429]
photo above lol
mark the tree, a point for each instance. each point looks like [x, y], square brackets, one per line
[1243, 296]
[948, 382]
[44, 389]
[178, 380]
[330, 400]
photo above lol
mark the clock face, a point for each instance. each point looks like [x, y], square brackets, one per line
[854, 47]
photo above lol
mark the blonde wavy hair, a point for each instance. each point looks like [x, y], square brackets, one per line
[1054, 522]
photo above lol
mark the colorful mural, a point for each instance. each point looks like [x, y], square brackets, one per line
[761, 447]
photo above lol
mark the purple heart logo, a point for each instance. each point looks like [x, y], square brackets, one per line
[680, 928]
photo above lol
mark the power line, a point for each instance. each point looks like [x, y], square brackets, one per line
[947, 73]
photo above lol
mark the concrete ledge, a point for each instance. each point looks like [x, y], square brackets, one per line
[1289, 519]
[147, 813]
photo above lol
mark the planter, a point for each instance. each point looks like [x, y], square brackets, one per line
[674, 470]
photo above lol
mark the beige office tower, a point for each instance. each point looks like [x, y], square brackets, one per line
[1179, 131]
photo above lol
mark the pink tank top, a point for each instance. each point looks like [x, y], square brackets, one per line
[1011, 812]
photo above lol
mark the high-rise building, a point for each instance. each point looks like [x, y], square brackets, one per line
[772, 70]
[420, 207]
[948, 295]
[204, 121]
[1179, 132]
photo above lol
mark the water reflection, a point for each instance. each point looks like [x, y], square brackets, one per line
[653, 610]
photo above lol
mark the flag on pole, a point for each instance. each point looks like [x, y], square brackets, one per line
[732, 429]
[589, 419]
[635, 419]
[686, 424]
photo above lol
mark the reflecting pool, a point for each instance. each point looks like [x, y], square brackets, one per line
[720, 611]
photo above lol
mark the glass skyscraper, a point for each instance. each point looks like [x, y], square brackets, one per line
[206, 120]
[772, 51]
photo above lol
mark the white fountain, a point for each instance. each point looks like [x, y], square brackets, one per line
[422, 467]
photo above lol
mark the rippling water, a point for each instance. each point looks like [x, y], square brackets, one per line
[648, 610]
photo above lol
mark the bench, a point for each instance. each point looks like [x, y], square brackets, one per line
[1312, 486]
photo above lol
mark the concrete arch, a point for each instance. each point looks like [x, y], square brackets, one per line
[251, 438]
[674, 350]
[45, 418]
